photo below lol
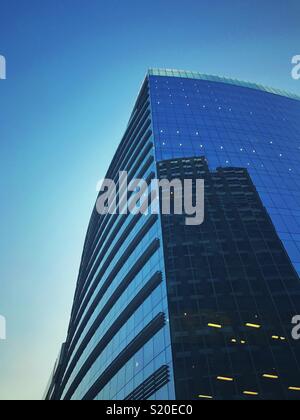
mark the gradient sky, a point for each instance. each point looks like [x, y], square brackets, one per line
[74, 68]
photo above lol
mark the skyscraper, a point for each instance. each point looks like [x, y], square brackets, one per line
[168, 311]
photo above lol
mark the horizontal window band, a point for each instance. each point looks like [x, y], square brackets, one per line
[122, 239]
[134, 143]
[106, 309]
[131, 308]
[149, 252]
[148, 332]
[137, 165]
[151, 389]
[144, 94]
[129, 140]
[108, 225]
[137, 144]
[104, 221]
[105, 230]
[56, 378]
[144, 230]
[138, 131]
[98, 231]
[153, 384]
[112, 254]
[127, 144]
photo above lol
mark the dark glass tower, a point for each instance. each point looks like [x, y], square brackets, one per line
[232, 292]
[168, 311]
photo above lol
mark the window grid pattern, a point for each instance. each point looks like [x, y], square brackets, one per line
[232, 289]
[235, 125]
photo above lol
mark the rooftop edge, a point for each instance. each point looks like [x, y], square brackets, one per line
[212, 78]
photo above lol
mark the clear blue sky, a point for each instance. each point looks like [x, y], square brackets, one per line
[74, 69]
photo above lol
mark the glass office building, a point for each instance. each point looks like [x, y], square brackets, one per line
[163, 311]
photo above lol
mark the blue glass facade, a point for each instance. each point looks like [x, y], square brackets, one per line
[235, 124]
[120, 344]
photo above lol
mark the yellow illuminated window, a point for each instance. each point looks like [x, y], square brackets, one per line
[215, 326]
[249, 325]
[235, 341]
[251, 393]
[277, 337]
[294, 388]
[225, 379]
[270, 376]
[206, 397]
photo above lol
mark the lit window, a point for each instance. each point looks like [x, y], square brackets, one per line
[294, 388]
[215, 326]
[251, 393]
[256, 326]
[270, 376]
[206, 397]
[225, 379]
